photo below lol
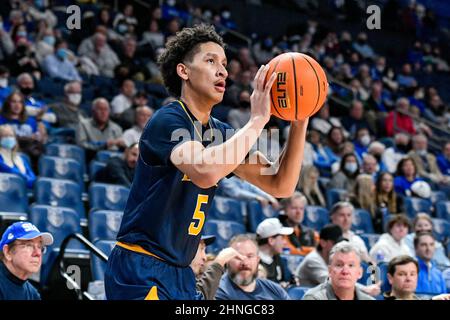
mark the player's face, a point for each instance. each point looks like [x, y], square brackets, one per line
[404, 280]
[244, 271]
[345, 269]
[207, 72]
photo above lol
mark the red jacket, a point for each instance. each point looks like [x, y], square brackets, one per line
[402, 122]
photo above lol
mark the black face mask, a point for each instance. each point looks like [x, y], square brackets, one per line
[402, 147]
[26, 91]
[21, 50]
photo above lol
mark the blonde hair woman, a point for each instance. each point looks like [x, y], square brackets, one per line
[364, 194]
[309, 185]
[10, 160]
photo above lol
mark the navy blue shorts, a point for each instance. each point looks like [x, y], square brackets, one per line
[133, 275]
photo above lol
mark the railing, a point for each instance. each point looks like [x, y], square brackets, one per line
[62, 268]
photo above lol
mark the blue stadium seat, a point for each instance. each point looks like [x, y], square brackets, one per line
[362, 221]
[446, 274]
[226, 209]
[224, 231]
[104, 224]
[104, 155]
[61, 168]
[441, 229]
[61, 135]
[94, 166]
[437, 196]
[60, 222]
[297, 293]
[13, 193]
[59, 193]
[415, 205]
[370, 239]
[67, 151]
[316, 217]
[335, 195]
[257, 213]
[443, 210]
[104, 196]
[98, 267]
[50, 87]
[293, 261]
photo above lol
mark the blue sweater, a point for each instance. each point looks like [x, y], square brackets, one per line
[29, 175]
[431, 280]
[13, 288]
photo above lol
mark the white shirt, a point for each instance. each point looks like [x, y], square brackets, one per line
[120, 103]
[132, 135]
[387, 248]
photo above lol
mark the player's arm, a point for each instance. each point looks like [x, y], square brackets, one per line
[282, 181]
[206, 166]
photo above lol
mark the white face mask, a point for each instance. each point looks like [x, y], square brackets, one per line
[74, 98]
[351, 167]
[365, 140]
[3, 82]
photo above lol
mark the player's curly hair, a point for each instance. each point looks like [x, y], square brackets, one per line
[182, 48]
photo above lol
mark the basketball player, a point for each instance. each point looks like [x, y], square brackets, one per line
[175, 182]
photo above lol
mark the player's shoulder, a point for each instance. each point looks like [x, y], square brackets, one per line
[168, 115]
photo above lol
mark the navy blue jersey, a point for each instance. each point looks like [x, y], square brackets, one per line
[165, 212]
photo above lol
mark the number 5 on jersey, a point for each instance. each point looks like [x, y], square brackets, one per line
[198, 215]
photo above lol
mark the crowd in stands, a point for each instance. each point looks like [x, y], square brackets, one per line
[373, 172]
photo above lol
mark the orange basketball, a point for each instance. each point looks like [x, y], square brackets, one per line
[300, 88]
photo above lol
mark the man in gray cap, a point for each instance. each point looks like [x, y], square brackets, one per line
[271, 242]
[21, 249]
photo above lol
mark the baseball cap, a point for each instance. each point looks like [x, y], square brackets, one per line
[421, 189]
[24, 231]
[272, 227]
[208, 239]
[331, 232]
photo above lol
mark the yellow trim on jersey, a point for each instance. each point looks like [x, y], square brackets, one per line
[136, 248]
[152, 294]
[195, 128]
[185, 178]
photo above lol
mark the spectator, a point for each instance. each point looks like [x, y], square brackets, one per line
[304, 239]
[430, 279]
[405, 176]
[362, 47]
[127, 119]
[34, 107]
[335, 140]
[370, 166]
[323, 157]
[392, 243]
[323, 122]
[363, 196]
[271, 241]
[24, 60]
[405, 78]
[100, 53]
[120, 170]
[402, 276]
[153, 35]
[124, 99]
[57, 65]
[30, 134]
[104, 20]
[5, 88]
[241, 282]
[344, 271]
[443, 160]
[398, 121]
[131, 65]
[6, 43]
[132, 135]
[99, 132]
[238, 117]
[394, 154]
[22, 247]
[10, 160]
[125, 22]
[436, 110]
[45, 44]
[313, 270]
[355, 119]
[345, 178]
[386, 197]
[68, 113]
[341, 214]
[237, 188]
[377, 149]
[208, 277]
[362, 141]
[425, 161]
[423, 223]
[309, 185]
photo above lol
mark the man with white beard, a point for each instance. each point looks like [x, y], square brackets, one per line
[241, 282]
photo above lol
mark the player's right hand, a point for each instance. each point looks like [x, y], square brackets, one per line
[260, 98]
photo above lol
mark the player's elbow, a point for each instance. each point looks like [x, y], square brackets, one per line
[283, 191]
[204, 178]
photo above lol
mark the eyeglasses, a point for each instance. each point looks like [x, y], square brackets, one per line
[31, 247]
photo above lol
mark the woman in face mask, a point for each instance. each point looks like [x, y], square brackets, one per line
[10, 160]
[345, 178]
